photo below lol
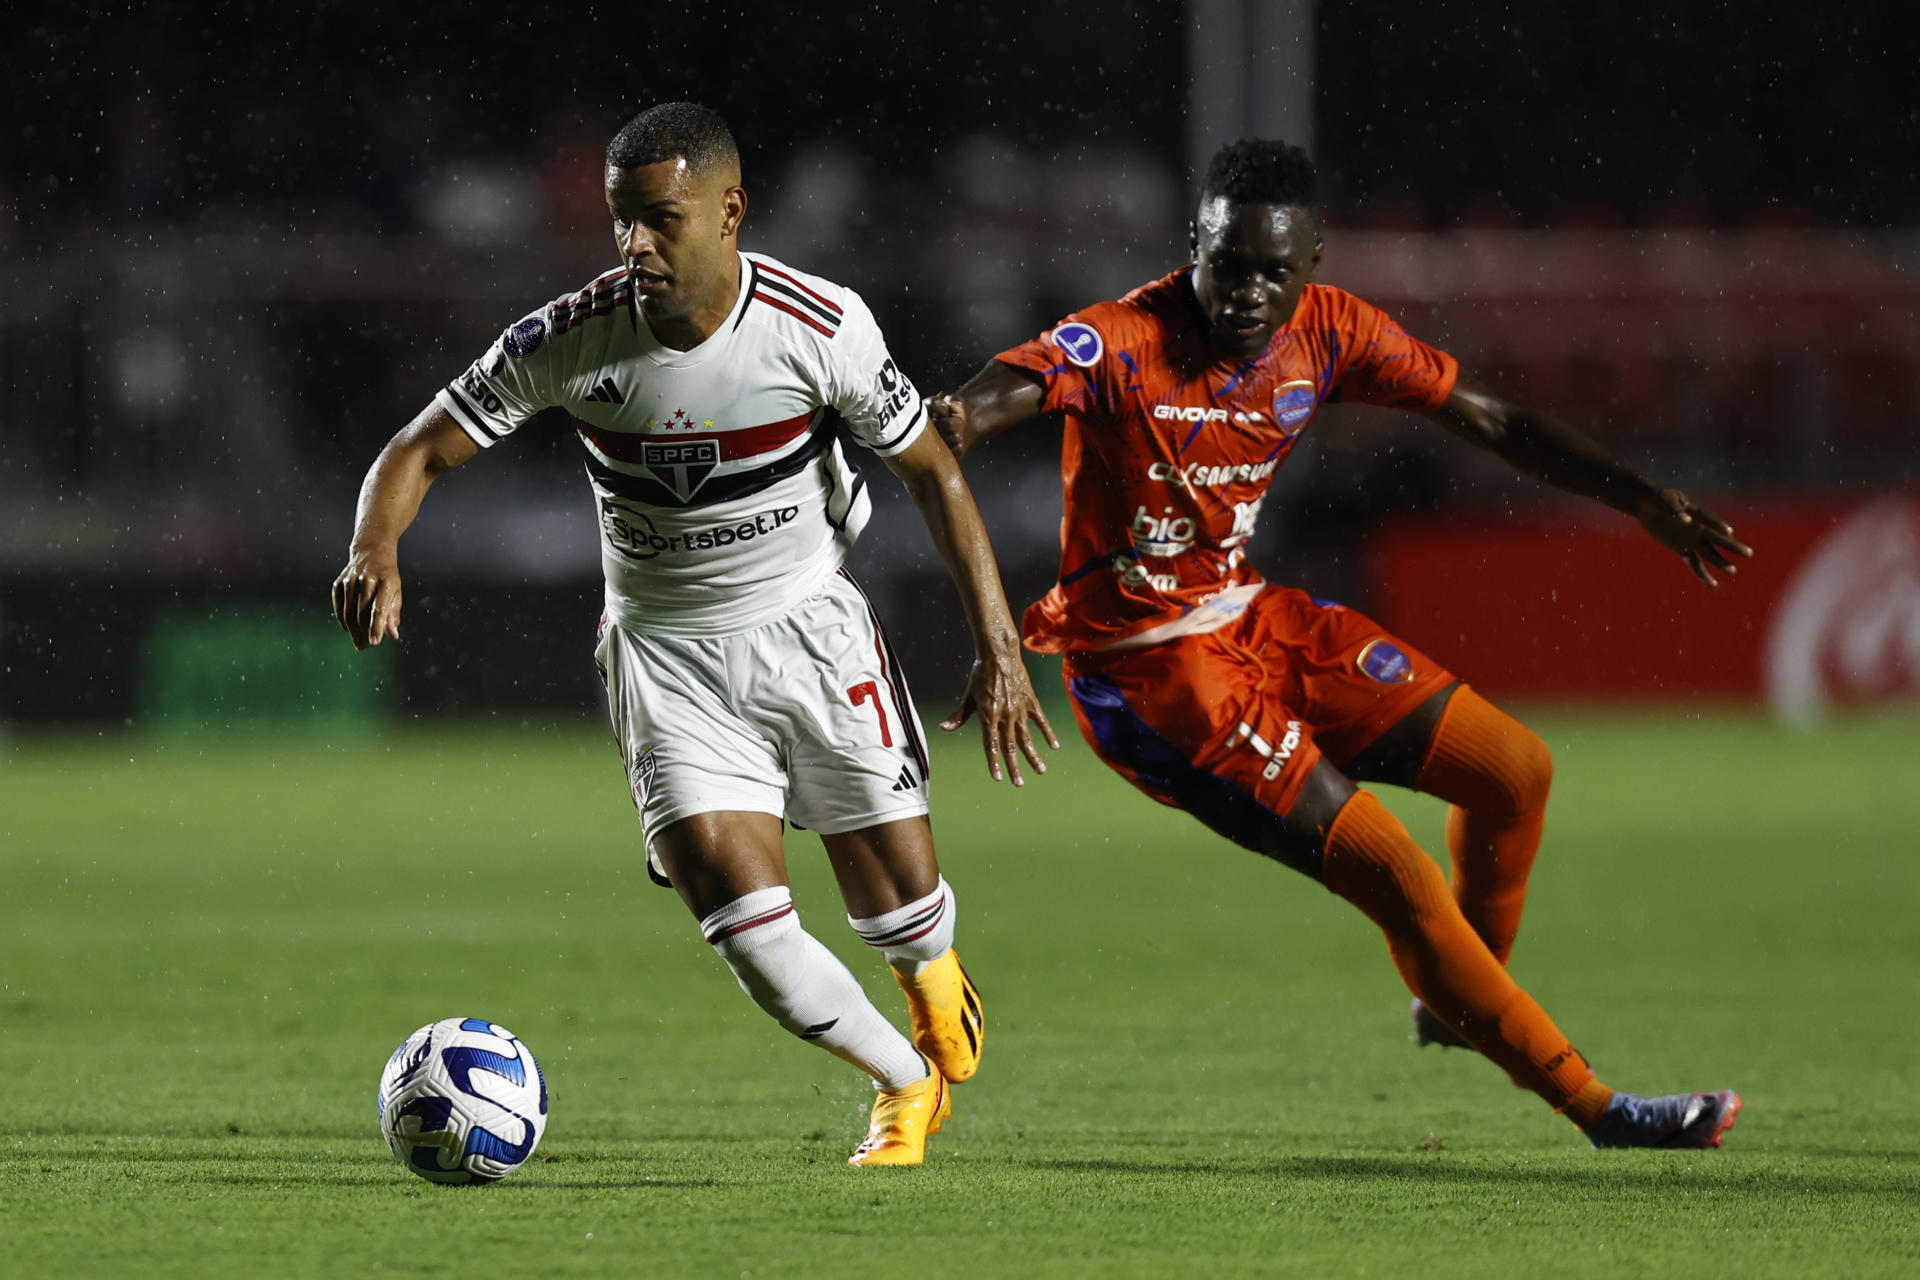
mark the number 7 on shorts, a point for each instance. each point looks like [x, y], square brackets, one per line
[867, 691]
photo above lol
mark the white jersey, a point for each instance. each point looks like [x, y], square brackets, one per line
[724, 499]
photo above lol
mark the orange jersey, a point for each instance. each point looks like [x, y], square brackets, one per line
[1169, 448]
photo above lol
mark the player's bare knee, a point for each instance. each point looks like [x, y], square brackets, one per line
[879, 868]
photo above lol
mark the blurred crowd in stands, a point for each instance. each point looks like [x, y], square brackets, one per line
[241, 255]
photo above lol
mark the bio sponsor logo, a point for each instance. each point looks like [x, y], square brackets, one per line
[1162, 535]
[634, 535]
[1200, 475]
[1277, 756]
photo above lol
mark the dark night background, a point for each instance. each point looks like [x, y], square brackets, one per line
[245, 243]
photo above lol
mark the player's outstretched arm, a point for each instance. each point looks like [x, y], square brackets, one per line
[998, 690]
[997, 397]
[1543, 445]
[366, 595]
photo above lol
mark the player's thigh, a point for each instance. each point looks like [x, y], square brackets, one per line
[1398, 754]
[828, 686]
[882, 868]
[686, 748]
[1199, 730]
[1348, 677]
[716, 857]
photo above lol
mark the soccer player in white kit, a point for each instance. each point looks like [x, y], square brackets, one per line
[747, 677]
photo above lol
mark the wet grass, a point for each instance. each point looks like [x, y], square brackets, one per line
[1198, 1063]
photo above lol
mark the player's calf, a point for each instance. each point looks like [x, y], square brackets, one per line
[805, 988]
[1496, 773]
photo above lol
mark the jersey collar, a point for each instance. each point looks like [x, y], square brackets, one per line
[717, 341]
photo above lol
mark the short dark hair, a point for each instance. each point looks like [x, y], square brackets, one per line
[1261, 171]
[674, 130]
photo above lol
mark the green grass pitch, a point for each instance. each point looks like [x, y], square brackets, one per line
[1198, 1063]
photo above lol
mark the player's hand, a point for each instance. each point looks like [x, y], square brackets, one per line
[999, 692]
[366, 597]
[1692, 532]
[949, 417]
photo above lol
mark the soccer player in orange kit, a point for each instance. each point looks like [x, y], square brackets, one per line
[1254, 706]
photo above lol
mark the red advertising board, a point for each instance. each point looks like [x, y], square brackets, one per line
[1575, 602]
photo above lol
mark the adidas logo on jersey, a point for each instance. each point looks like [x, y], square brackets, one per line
[907, 781]
[607, 393]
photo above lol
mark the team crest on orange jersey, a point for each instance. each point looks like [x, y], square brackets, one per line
[1294, 403]
[1383, 661]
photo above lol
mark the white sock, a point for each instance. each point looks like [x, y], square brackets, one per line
[805, 988]
[912, 935]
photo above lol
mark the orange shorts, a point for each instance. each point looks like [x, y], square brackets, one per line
[1228, 725]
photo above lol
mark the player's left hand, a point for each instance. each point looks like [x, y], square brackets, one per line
[999, 692]
[1693, 533]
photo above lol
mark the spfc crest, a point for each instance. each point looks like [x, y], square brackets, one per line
[681, 465]
[640, 773]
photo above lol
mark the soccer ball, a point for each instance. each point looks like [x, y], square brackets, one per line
[462, 1101]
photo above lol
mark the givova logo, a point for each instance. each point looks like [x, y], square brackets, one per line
[1187, 413]
[1278, 756]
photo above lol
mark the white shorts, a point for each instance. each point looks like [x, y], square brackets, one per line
[807, 718]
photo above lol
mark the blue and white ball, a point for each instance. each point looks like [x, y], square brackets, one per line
[462, 1101]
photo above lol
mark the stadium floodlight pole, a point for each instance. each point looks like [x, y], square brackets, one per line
[1250, 73]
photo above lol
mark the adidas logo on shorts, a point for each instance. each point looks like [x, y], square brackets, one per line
[907, 781]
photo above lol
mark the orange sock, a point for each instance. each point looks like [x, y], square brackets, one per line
[1373, 863]
[1495, 772]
